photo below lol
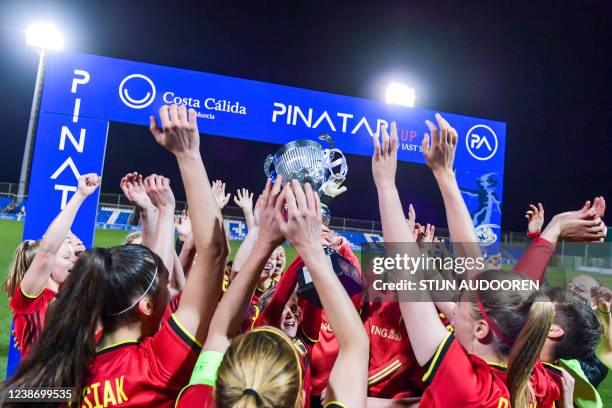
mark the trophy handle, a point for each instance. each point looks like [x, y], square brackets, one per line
[334, 162]
[328, 139]
[270, 173]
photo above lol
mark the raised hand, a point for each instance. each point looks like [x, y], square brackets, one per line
[586, 212]
[244, 199]
[384, 160]
[582, 230]
[88, 184]
[133, 188]
[599, 205]
[159, 191]
[218, 189]
[441, 154]
[302, 225]
[269, 233]
[535, 216]
[430, 231]
[179, 130]
[411, 217]
[182, 224]
[418, 232]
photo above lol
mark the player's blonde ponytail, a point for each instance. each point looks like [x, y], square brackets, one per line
[259, 369]
[527, 347]
[24, 254]
[519, 321]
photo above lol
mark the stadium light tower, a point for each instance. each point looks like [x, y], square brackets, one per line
[42, 36]
[399, 94]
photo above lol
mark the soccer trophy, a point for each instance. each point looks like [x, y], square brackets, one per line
[325, 169]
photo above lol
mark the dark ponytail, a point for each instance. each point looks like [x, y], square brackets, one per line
[103, 285]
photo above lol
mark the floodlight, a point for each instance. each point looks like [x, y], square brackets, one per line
[45, 36]
[399, 94]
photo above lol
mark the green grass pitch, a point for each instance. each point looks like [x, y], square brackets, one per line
[10, 236]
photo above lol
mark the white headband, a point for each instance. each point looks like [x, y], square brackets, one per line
[140, 298]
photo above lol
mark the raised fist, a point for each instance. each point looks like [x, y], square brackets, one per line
[88, 184]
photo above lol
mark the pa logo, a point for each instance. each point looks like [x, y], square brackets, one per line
[481, 142]
[139, 85]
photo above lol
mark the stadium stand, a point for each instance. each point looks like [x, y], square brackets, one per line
[114, 218]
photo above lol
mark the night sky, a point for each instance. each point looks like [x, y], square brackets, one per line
[545, 71]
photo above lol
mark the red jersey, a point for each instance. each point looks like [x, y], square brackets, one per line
[458, 379]
[172, 306]
[393, 371]
[149, 373]
[196, 396]
[546, 387]
[308, 329]
[29, 316]
[324, 352]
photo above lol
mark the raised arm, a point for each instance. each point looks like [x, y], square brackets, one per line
[187, 255]
[162, 243]
[348, 379]
[421, 318]
[234, 304]
[244, 200]
[39, 271]
[134, 190]
[179, 134]
[440, 157]
[584, 225]
[535, 220]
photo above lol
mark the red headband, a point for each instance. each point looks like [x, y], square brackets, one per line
[492, 325]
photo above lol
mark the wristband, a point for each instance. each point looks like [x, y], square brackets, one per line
[533, 235]
[205, 370]
[603, 313]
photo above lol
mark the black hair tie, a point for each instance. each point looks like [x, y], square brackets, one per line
[252, 393]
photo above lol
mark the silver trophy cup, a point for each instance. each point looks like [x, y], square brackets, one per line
[307, 162]
[300, 160]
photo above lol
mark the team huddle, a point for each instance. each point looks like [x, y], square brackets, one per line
[163, 322]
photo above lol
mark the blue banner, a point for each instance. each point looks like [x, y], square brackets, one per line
[128, 91]
[64, 150]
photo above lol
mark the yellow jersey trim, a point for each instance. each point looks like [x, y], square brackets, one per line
[119, 343]
[309, 339]
[434, 361]
[178, 397]
[335, 403]
[185, 331]
[498, 365]
[31, 297]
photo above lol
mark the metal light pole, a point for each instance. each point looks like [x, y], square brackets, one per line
[24, 177]
[42, 36]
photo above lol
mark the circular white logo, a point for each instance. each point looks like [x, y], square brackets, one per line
[137, 83]
[481, 142]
